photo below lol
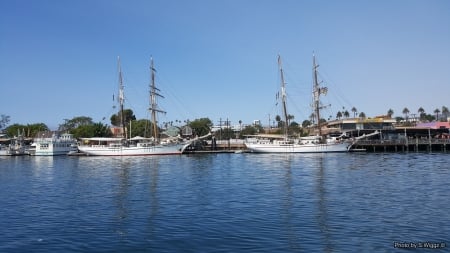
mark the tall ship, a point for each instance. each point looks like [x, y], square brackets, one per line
[138, 146]
[310, 144]
[53, 143]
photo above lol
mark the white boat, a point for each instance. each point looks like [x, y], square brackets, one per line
[100, 146]
[16, 147]
[120, 147]
[285, 144]
[53, 143]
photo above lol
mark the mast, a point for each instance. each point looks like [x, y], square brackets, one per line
[317, 91]
[283, 98]
[121, 99]
[153, 102]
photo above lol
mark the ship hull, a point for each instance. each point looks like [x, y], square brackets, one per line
[297, 148]
[131, 151]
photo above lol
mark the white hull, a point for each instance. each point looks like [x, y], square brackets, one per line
[53, 152]
[55, 145]
[104, 150]
[297, 148]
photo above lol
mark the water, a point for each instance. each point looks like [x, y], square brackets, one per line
[225, 203]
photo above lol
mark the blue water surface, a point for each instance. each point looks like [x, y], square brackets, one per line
[354, 202]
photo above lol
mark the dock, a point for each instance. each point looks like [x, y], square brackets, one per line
[404, 145]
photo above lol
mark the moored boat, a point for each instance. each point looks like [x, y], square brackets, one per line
[121, 146]
[53, 143]
[286, 144]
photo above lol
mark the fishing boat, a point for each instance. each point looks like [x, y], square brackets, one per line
[123, 146]
[310, 144]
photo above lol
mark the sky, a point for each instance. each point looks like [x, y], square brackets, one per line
[218, 59]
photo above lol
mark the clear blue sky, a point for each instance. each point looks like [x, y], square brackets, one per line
[218, 59]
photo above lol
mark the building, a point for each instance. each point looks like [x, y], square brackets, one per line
[360, 125]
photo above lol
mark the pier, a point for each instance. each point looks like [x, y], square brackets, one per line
[404, 145]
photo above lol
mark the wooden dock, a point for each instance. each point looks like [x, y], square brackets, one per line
[404, 145]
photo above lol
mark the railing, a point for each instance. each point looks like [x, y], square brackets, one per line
[403, 142]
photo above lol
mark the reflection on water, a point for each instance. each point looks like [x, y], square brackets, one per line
[223, 203]
[322, 210]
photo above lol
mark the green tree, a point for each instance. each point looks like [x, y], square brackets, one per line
[248, 130]
[346, 114]
[30, 130]
[445, 112]
[128, 116]
[4, 121]
[92, 130]
[201, 126]
[437, 111]
[294, 128]
[355, 111]
[362, 115]
[306, 123]
[421, 113]
[75, 122]
[399, 119]
[390, 112]
[142, 127]
[406, 112]
[227, 133]
[339, 115]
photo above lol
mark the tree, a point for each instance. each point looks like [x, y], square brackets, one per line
[91, 130]
[4, 121]
[142, 127]
[201, 126]
[248, 130]
[294, 128]
[278, 120]
[390, 112]
[437, 111]
[30, 130]
[406, 112]
[339, 115]
[355, 111]
[445, 112]
[128, 116]
[227, 133]
[76, 122]
[347, 114]
[290, 117]
[306, 123]
[421, 112]
[362, 115]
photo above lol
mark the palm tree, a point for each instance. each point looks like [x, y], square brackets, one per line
[362, 115]
[339, 115]
[347, 114]
[421, 112]
[445, 112]
[406, 112]
[437, 113]
[390, 112]
[354, 110]
[278, 120]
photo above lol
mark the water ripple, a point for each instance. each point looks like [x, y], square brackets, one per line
[223, 203]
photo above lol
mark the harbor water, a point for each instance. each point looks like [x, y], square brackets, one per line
[351, 202]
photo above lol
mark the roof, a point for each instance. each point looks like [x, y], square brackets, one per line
[434, 125]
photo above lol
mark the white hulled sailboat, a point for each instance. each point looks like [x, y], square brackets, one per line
[310, 144]
[135, 146]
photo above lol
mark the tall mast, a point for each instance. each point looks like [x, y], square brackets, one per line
[317, 91]
[283, 97]
[153, 103]
[121, 99]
